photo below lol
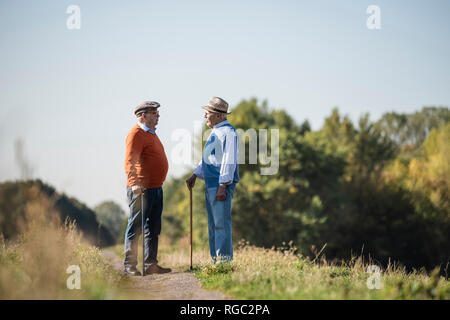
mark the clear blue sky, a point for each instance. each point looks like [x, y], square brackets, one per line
[69, 94]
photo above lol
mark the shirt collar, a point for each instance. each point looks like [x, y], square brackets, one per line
[221, 124]
[145, 128]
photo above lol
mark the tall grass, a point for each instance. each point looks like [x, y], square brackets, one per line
[34, 265]
[258, 273]
[282, 273]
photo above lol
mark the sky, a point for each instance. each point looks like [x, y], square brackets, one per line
[69, 95]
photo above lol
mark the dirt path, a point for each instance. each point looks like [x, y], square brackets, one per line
[176, 285]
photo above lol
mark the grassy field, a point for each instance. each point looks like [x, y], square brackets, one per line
[35, 267]
[258, 273]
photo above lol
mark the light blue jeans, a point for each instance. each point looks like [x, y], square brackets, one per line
[219, 224]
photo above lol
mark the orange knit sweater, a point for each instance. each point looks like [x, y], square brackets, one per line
[145, 160]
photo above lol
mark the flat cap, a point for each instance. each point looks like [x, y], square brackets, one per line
[144, 106]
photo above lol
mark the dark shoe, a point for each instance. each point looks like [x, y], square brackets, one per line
[132, 271]
[154, 268]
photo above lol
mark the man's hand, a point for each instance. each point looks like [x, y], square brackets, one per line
[137, 189]
[221, 194]
[190, 182]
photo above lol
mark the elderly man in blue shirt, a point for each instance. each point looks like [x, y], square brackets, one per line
[220, 171]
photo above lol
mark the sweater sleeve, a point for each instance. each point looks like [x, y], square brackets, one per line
[134, 147]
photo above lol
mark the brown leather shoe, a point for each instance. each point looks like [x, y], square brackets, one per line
[131, 271]
[154, 268]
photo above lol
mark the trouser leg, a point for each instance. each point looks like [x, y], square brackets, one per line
[152, 226]
[219, 219]
[133, 229]
[211, 226]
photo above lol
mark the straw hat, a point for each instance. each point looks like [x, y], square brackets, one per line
[217, 105]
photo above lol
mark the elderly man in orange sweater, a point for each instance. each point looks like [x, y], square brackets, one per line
[146, 169]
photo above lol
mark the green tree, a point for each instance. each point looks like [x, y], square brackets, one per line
[413, 129]
[376, 186]
[111, 215]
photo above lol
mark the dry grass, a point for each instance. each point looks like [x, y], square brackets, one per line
[280, 273]
[34, 265]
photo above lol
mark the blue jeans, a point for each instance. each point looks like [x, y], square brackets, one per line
[153, 206]
[219, 224]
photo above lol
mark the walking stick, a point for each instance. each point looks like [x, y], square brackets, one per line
[143, 236]
[190, 242]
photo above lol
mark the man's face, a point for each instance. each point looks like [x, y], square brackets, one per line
[150, 118]
[212, 118]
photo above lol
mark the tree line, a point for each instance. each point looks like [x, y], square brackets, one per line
[16, 197]
[378, 188]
